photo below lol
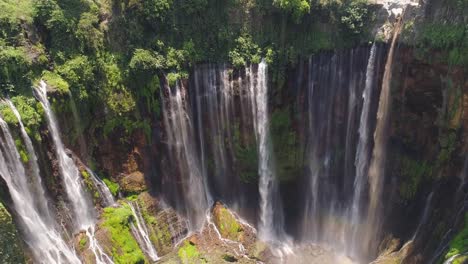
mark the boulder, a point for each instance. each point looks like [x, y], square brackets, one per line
[133, 183]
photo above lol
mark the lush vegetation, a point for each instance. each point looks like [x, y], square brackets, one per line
[459, 244]
[125, 249]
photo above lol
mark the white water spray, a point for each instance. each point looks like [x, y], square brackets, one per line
[140, 232]
[40, 233]
[83, 211]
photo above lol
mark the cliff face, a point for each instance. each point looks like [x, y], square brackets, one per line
[111, 101]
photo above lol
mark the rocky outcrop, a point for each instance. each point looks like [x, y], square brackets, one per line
[133, 183]
[11, 250]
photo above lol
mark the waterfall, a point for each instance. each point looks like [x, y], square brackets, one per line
[424, 215]
[192, 193]
[82, 208]
[362, 152]
[213, 105]
[270, 225]
[40, 232]
[377, 166]
[38, 191]
[336, 102]
[102, 188]
[140, 232]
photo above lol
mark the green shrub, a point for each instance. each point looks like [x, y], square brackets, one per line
[298, 8]
[245, 51]
[79, 73]
[14, 69]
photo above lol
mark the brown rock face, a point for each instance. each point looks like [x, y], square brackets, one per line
[133, 183]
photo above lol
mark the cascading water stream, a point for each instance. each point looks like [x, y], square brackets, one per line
[39, 191]
[271, 224]
[102, 188]
[377, 166]
[40, 233]
[362, 152]
[193, 194]
[83, 211]
[141, 234]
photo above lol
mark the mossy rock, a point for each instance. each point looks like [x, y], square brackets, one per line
[117, 236]
[165, 226]
[226, 223]
[11, 250]
[133, 183]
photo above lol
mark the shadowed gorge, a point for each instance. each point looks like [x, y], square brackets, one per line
[240, 131]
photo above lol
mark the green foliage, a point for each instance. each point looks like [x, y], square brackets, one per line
[189, 253]
[153, 11]
[117, 96]
[113, 187]
[14, 69]
[450, 39]
[298, 8]
[8, 116]
[125, 248]
[13, 14]
[355, 17]
[245, 51]
[56, 82]
[91, 38]
[459, 244]
[79, 73]
[412, 172]
[146, 61]
[31, 113]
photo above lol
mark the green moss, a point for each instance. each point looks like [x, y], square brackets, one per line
[459, 244]
[413, 173]
[83, 241]
[125, 249]
[90, 184]
[113, 187]
[22, 151]
[227, 224]
[189, 254]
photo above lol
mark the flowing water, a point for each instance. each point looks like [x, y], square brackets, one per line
[40, 233]
[362, 152]
[102, 188]
[270, 225]
[82, 207]
[39, 191]
[190, 191]
[328, 101]
[141, 234]
[377, 166]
